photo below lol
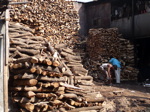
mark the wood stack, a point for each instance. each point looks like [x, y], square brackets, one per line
[43, 79]
[56, 20]
[103, 43]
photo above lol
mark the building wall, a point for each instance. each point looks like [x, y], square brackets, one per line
[93, 15]
[99, 15]
[141, 26]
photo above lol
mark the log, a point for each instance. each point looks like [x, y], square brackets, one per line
[55, 63]
[59, 90]
[61, 79]
[28, 94]
[83, 78]
[25, 82]
[51, 49]
[19, 65]
[68, 96]
[23, 110]
[74, 103]
[37, 108]
[60, 46]
[19, 54]
[69, 86]
[38, 70]
[76, 65]
[68, 107]
[46, 95]
[48, 84]
[62, 69]
[74, 69]
[33, 70]
[41, 59]
[34, 60]
[30, 52]
[62, 110]
[85, 82]
[33, 88]
[43, 107]
[47, 62]
[56, 102]
[80, 73]
[24, 99]
[25, 76]
[23, 60]
[28, 106]
[55, 69]
[79, 93]
[20, 71]
[70, 57]
[21, 35]
[44, 72]
[32, 46]
[69, 51]
[86, 108]
[16, 43]
[99, 99]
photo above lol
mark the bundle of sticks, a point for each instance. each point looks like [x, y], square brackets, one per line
[103, 43]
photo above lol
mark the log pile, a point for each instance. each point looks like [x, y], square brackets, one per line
[103, 43]
[74, 62]
[55, 20]
[44, 79]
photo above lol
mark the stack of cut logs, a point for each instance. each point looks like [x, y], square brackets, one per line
[43, 79]
[103, 43]
[56, 20]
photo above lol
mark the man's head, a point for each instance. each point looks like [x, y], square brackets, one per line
[110, 56]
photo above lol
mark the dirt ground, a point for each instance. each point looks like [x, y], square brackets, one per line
[129, 96]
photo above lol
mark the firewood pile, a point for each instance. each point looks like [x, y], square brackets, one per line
[44, 78]
[103, 43]
[56, 20]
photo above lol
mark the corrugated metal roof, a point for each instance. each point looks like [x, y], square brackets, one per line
[83, 1]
